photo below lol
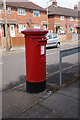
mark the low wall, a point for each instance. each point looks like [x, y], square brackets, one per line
[3, 42]
[65, 37]
[15, 41]
[76, 36]
[18, 41]
[0, 42]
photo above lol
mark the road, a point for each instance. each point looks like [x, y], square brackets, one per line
[14, 71]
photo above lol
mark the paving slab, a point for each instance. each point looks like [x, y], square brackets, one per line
[71, 91]
[43, 95]
[36, 112]
[66, 106]
[39, 111]
[14, 103]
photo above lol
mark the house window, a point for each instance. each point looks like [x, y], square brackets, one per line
[61, 29]
[2, 10]
[76, 19]
[37, 26]
[36, 13]
[0, 30]
[9, 10]
[44, 27]
[71, 18]
[75, 30]
[21, 11]
[71, 29]
[61, 17]
[22, 27]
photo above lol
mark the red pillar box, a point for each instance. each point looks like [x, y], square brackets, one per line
[35, 45]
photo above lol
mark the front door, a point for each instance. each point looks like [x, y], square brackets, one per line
[44, 27]
[56, 29]
[12, 31]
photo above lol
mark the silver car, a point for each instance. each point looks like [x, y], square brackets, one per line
[53, 40]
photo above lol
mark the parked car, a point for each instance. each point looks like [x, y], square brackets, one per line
[53, 40]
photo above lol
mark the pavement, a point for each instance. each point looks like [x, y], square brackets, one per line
[18, 103]
[51, 103]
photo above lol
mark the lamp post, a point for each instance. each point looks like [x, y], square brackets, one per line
[47, 12]
[5, 20]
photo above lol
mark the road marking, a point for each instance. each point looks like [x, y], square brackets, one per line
[52, 53]
[67, 68]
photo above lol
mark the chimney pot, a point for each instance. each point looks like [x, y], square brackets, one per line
[75, 7]
[54, 2]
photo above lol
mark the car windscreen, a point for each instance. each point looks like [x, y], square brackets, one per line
[54, 35]
[51, 36]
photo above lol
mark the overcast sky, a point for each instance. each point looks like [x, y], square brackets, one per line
[63, 3]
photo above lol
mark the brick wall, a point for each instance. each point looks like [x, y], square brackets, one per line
[56, 19]
[22, 19]
[0, 42]
[18, 41]
[3, 42]
[51, 23]
[65, 37]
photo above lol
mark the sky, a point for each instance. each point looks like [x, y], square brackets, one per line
[62, 3]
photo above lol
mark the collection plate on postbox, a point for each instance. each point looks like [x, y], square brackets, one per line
[42, 49]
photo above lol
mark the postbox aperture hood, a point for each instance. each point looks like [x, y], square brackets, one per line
[34, 31]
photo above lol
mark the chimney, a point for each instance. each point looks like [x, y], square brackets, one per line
[54, 2]
[75, 7]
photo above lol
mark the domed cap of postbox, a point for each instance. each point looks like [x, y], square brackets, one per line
[34, 32]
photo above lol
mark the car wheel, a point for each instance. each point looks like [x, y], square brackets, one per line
[58, 45]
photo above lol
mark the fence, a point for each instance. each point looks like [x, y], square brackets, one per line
[65, 53]
[15, 41]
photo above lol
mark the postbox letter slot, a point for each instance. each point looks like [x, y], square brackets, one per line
[42, 41]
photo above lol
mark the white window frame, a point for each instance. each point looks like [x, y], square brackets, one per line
[63, 30]
[21, 11]
[75, 30]
[44, 27]
[1, 30]
[9, 10]
[35, 12]
[61, 17]
[2, 10]
[21, 27]
[71, 18]
[72, 29]
[37, 26]
[76, 19]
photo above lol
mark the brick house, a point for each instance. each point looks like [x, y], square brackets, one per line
[63, 20]
[21, 16]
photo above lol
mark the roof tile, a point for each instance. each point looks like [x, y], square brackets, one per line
[26, 5]
[57, 10]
